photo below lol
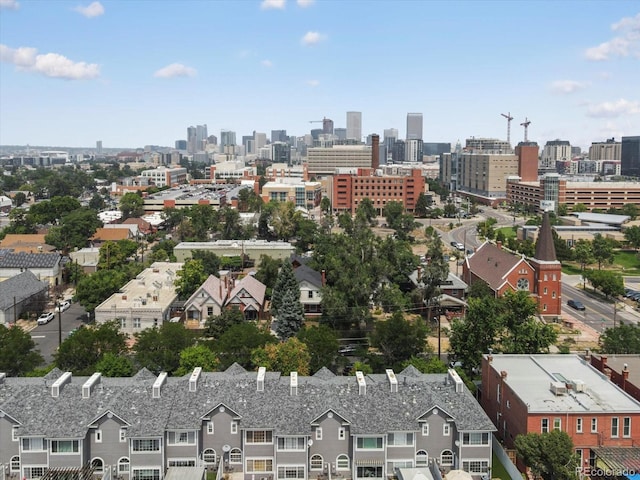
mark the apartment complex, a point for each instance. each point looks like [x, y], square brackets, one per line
[608, 150]
[325, 160]
[349, 189]
[483, 176]
[245, 424]
[303, 194]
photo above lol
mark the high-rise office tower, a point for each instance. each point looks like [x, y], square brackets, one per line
[630, 156]
[414, 126]
[390, 135]
[279, 136]
[248, 144]
[327, 126]
[260, 139]
[181, 144]
[354, 126]
[341, 133]
[201, 137]
[191, 140]
[99, 147]
[413, 153]
[227, 138]
[212, 140]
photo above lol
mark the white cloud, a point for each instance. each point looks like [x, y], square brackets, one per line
[92, 10]
[175, 70]
[10, 4]
[266, 63]
[313, 83]
[311, 38]
[566, 86]
[51, 65]
[273, 4]
[625, 44]
[614, 109]
[305, 3]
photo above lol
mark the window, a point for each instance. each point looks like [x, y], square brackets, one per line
[342, 433]
[98, 465]
[310, 294]
[316, 462]
[146, 474]
[146, 445]
[181, 462]
[64, 446]
[34, 472]
[258, 436]
[498, 393]
[425, 429]
[544, 425]
[579, 425]
[34, 444]
[594, 425]
[98, 436]
[209, 456]
[545, 290]
[557, 424]
[291, 443]
[318, 433]
[209, 311]
[14, 434]
[136, 322]
[123, 465]
[181, 438]
[615, 427]
[475, 438]
[123, 323]
[553, 294]
[446, 429]
[235, 455]
[210, 427]
[259, 465]
[626, 427]
[369, 472]
[291, 471]
[234, 427]
[15, 463]
[400, 439]
[446, 458]
[342, 462]
[123, 435]
[369, 443]
[475, 466]
[422, 458]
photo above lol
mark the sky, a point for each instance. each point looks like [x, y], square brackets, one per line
[139, 72]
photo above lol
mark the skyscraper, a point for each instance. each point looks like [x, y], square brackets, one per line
[260, 139]
[327, 126]
[191, 140]
[414, 126]
[630, 158]
[99, 147]
[279, 136]
[181, 145]
[354, 126]
[227, 138]
[201, 137]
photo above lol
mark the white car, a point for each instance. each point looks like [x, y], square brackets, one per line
[62, 306]
[45, 318]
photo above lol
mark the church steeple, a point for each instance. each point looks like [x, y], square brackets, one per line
[545, 249]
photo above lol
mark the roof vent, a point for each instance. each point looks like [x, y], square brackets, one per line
[260, 379]
[2, 377]
[393, 380]
[578, 386]
[558, 388]
[362, 385]
[87, 388]
[59, 383]
[294, 383]
[457, 381]
[157, 385]
[193, 380]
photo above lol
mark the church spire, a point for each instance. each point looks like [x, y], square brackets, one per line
[545, 249]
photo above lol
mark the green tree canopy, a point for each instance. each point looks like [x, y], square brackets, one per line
[285, 357]
[115, 365]
[285, 283]
[432, 364]
[422, 205]
[215, 326]
[290, 314]
[322, 345]
[623, 339]
[74, 230]
[199, 355]
[632, 235]
[550, 455]
[158, 349]
[268, 271]
[398, 339]
[367, 211]
[602, 250]
[18, 354]
[131, 205]
[190, 278]
[608, 282]
[94, 289]
[583, 253]
[116, 254]
[238, 342]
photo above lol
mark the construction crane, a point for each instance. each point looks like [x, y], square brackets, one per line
[509, 118]
[526, 124]
[318, 121]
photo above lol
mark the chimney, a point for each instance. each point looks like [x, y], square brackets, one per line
[393, 380]
[419, 273]
[293, 387]
[503, 375]
[375, 151]
[59, 383]
[603, 359]
[499, 245]
[87, 388]
[587, 355]
[260, 379]
[157, 385]
[362, 385]
[193, 380]
[625, 374]
[3, 376]
[324, 278]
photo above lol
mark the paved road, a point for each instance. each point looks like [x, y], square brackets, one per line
[46, 336]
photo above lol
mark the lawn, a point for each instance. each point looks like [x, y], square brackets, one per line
[628, 261]
[497, 470]
[508, 232]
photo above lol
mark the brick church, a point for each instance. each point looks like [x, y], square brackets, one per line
[503, 271]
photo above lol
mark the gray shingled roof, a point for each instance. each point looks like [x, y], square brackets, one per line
[29, 401]
[304, 273]
[29, 260]
[18, 288]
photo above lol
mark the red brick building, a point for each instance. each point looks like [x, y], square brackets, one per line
[350, 189]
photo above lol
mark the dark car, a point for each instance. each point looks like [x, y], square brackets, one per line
[577, 304]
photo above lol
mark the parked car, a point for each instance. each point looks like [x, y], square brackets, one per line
[62, 306]
[347, 349]
[45, 318]
[577, 304]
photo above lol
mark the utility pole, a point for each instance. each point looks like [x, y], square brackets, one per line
[59, 323]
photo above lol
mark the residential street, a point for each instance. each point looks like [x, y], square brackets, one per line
[46, 336]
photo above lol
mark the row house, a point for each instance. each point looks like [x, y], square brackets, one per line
[247, 425]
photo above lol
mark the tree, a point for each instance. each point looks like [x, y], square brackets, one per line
[51, 211]
[367, 211]
[602, 250]
[190, 277]
[393, 212]
[74, 229]
[632, 235]
[290, 314]
[97, 203]
[623, 339]
[563, 252]
[563, 209]
[284, 220]
[268, 271]
[486, 229]
[210, 261]
[422, 205]
[248, 200]
[325, 206]
[322, 345]
[289, 356]
[92, 290]
[608, 282]
[158, 349]
[215, 326]
[131, 205]
[432, 364]
[579, 207]
[480, 289]
[583, 253]
[435, 271]
[196, 356]
[231, 228]
[286, 282]
[81, 352]
[114, 365]
[18, 354]
[116, 254]
[203, 219]
[398, 339]
[237, 343]
[450, 210]
[522, 333]
[19, 198]
[631, 209]
[550, 455]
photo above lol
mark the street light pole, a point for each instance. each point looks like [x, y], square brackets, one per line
[59, 323]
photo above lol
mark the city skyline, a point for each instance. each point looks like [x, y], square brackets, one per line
[131, 76]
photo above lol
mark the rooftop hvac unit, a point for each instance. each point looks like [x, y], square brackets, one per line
[558, 388]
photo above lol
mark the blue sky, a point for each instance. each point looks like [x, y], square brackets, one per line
[132, 73]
